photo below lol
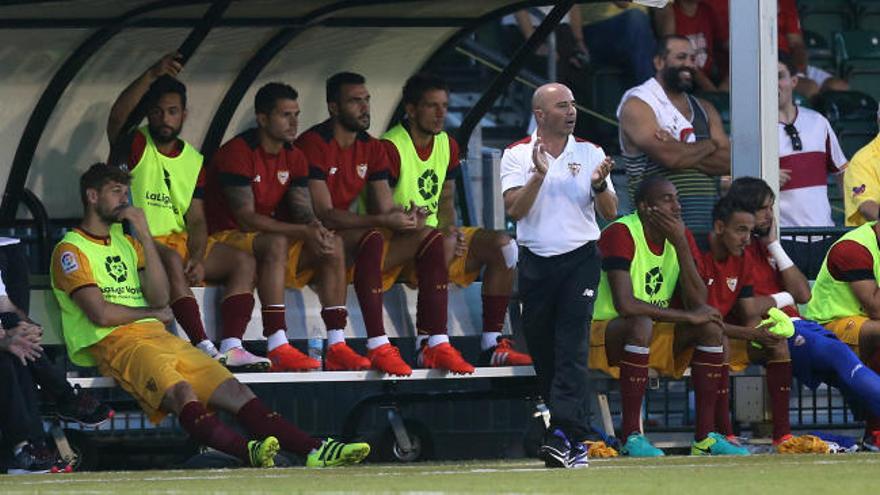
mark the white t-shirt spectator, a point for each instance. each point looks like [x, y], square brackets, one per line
[562, 217]
[803, 200]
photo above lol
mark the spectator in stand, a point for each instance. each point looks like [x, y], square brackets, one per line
[695, 20]
[664, 130]
[808, 152]
[861, 184]
[791, 40]
[620, 34]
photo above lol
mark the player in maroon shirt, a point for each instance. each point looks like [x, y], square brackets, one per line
[727, 270]
[344, 160]
[249, 177]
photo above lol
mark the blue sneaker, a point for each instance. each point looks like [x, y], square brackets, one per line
[716, 444]
[556, 450]
[577, 458]
[638, 445]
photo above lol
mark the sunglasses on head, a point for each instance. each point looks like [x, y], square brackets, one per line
[792, 133]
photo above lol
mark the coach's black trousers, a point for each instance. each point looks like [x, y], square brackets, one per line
[557, 295]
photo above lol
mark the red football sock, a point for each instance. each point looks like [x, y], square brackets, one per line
[779, 387]
[261, 422]
[433, 279]
[705, 373]
[273, 319]
[633, 381]
[236, 313]
[186, 312]
[206, 428]
[722, 404]
[334, 318]
[494, 311]
[368, 281]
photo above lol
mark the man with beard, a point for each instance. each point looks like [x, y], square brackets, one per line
[343, 162]
[423, 167]
[664, 130]
[250, 176]
[808, 152]
[168, 184]
[113, 294]
[648, 257]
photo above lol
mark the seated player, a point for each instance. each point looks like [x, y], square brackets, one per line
[168, 184]
[817, 355]
[113, 295]
[248, 178]
[646, 257]
[343, 161]
[423, 168]
[726, 269]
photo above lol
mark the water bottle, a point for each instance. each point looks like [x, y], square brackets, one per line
[316, 350]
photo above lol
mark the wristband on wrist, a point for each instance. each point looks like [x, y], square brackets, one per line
[783, 299]
[783, 262]
[601, 188]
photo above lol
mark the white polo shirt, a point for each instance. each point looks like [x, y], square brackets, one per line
[562, 217]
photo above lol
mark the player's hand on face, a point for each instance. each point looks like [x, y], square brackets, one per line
[772, 234]
[668, 224]
[539, 157]
[169, 65]
[194, 270]
[133, 214]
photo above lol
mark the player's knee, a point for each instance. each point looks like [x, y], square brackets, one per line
[640, 331]
[431, 247]
[711, 334]
[179, 395]
[276, 246]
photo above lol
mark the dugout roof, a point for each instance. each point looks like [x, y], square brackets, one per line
[63, 63]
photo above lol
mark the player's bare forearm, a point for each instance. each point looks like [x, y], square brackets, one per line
[446, 208]
[154, 280]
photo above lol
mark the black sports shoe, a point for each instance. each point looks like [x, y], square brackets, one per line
[84, 409]
[31, 459]
[556, 450]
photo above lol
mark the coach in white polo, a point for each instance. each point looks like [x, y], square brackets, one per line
[553, 184]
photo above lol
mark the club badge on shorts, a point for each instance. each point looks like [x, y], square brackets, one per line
[574, 168]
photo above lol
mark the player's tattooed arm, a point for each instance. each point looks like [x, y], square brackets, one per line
[299, 204]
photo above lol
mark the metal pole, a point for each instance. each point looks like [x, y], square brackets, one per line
[754, 98]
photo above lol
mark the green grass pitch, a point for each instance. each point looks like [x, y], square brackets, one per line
[760, 474]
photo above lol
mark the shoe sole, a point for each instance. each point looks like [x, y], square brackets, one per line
[553, 458]
[253, 367]
[83, 423]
